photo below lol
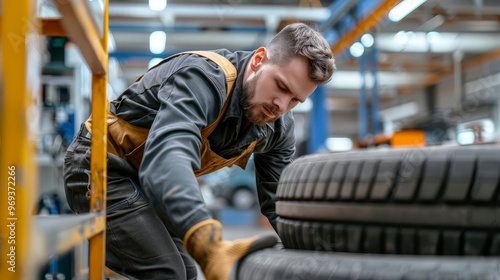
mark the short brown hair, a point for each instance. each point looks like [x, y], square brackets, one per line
[299, 39]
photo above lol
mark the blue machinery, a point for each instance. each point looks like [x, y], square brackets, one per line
[353, 18]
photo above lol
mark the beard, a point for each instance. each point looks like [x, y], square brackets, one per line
[252, 110]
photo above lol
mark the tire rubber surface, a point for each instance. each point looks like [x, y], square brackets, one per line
[276, 264]
[422, 201]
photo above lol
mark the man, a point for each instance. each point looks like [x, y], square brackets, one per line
[192, 114]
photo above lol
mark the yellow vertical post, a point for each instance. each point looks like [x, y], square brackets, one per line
[98, 156]
[18, 120]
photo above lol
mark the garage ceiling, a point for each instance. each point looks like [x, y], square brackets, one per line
[467, 25]
[408, 58]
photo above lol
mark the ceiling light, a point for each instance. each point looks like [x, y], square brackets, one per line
[154, 61]
[339, 144]
[367, 40]
[465, 137]
[157, 5]
[412, 37]
[401, 37]
[157, 41]
[357, 49]
[403, 9]
[433, 37]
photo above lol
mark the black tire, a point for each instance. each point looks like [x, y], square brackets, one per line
[274, 264]
[431, 201]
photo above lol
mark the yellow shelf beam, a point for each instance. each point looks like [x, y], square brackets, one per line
[98, 164]
[18, 134]
[59, 233]
[19, 88]
[364, 25]
[79, 24]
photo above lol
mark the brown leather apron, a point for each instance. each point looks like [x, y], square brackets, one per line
[127, 141]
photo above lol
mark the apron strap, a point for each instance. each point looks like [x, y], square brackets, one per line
[229, 71]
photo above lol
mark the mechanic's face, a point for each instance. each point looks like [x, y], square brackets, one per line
[272, 90]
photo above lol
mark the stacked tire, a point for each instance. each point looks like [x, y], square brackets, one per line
[423, 213]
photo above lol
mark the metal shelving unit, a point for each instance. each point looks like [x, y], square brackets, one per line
[29, 241]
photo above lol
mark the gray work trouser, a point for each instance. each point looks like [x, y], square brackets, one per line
[138, 244]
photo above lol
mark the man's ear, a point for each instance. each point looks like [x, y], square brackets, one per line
[259, 58]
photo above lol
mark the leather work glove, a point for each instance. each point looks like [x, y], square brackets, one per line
[219, 258]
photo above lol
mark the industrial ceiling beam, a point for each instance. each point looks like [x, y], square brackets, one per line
[79, 24]
[338, 10]
[221, 11]
[363, 26]
[436, 76]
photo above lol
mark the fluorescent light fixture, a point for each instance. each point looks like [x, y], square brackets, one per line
[157, 41]
[338, 144]
[367, 40]
[157, 5]
[357, 49]
[402, 37]
[154, 61]
[412, 36]
[403, 9]
[433, 37]
[466, 137]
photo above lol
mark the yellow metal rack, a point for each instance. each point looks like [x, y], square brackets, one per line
[28, 241]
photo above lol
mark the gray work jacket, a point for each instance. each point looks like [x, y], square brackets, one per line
[176, 100]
